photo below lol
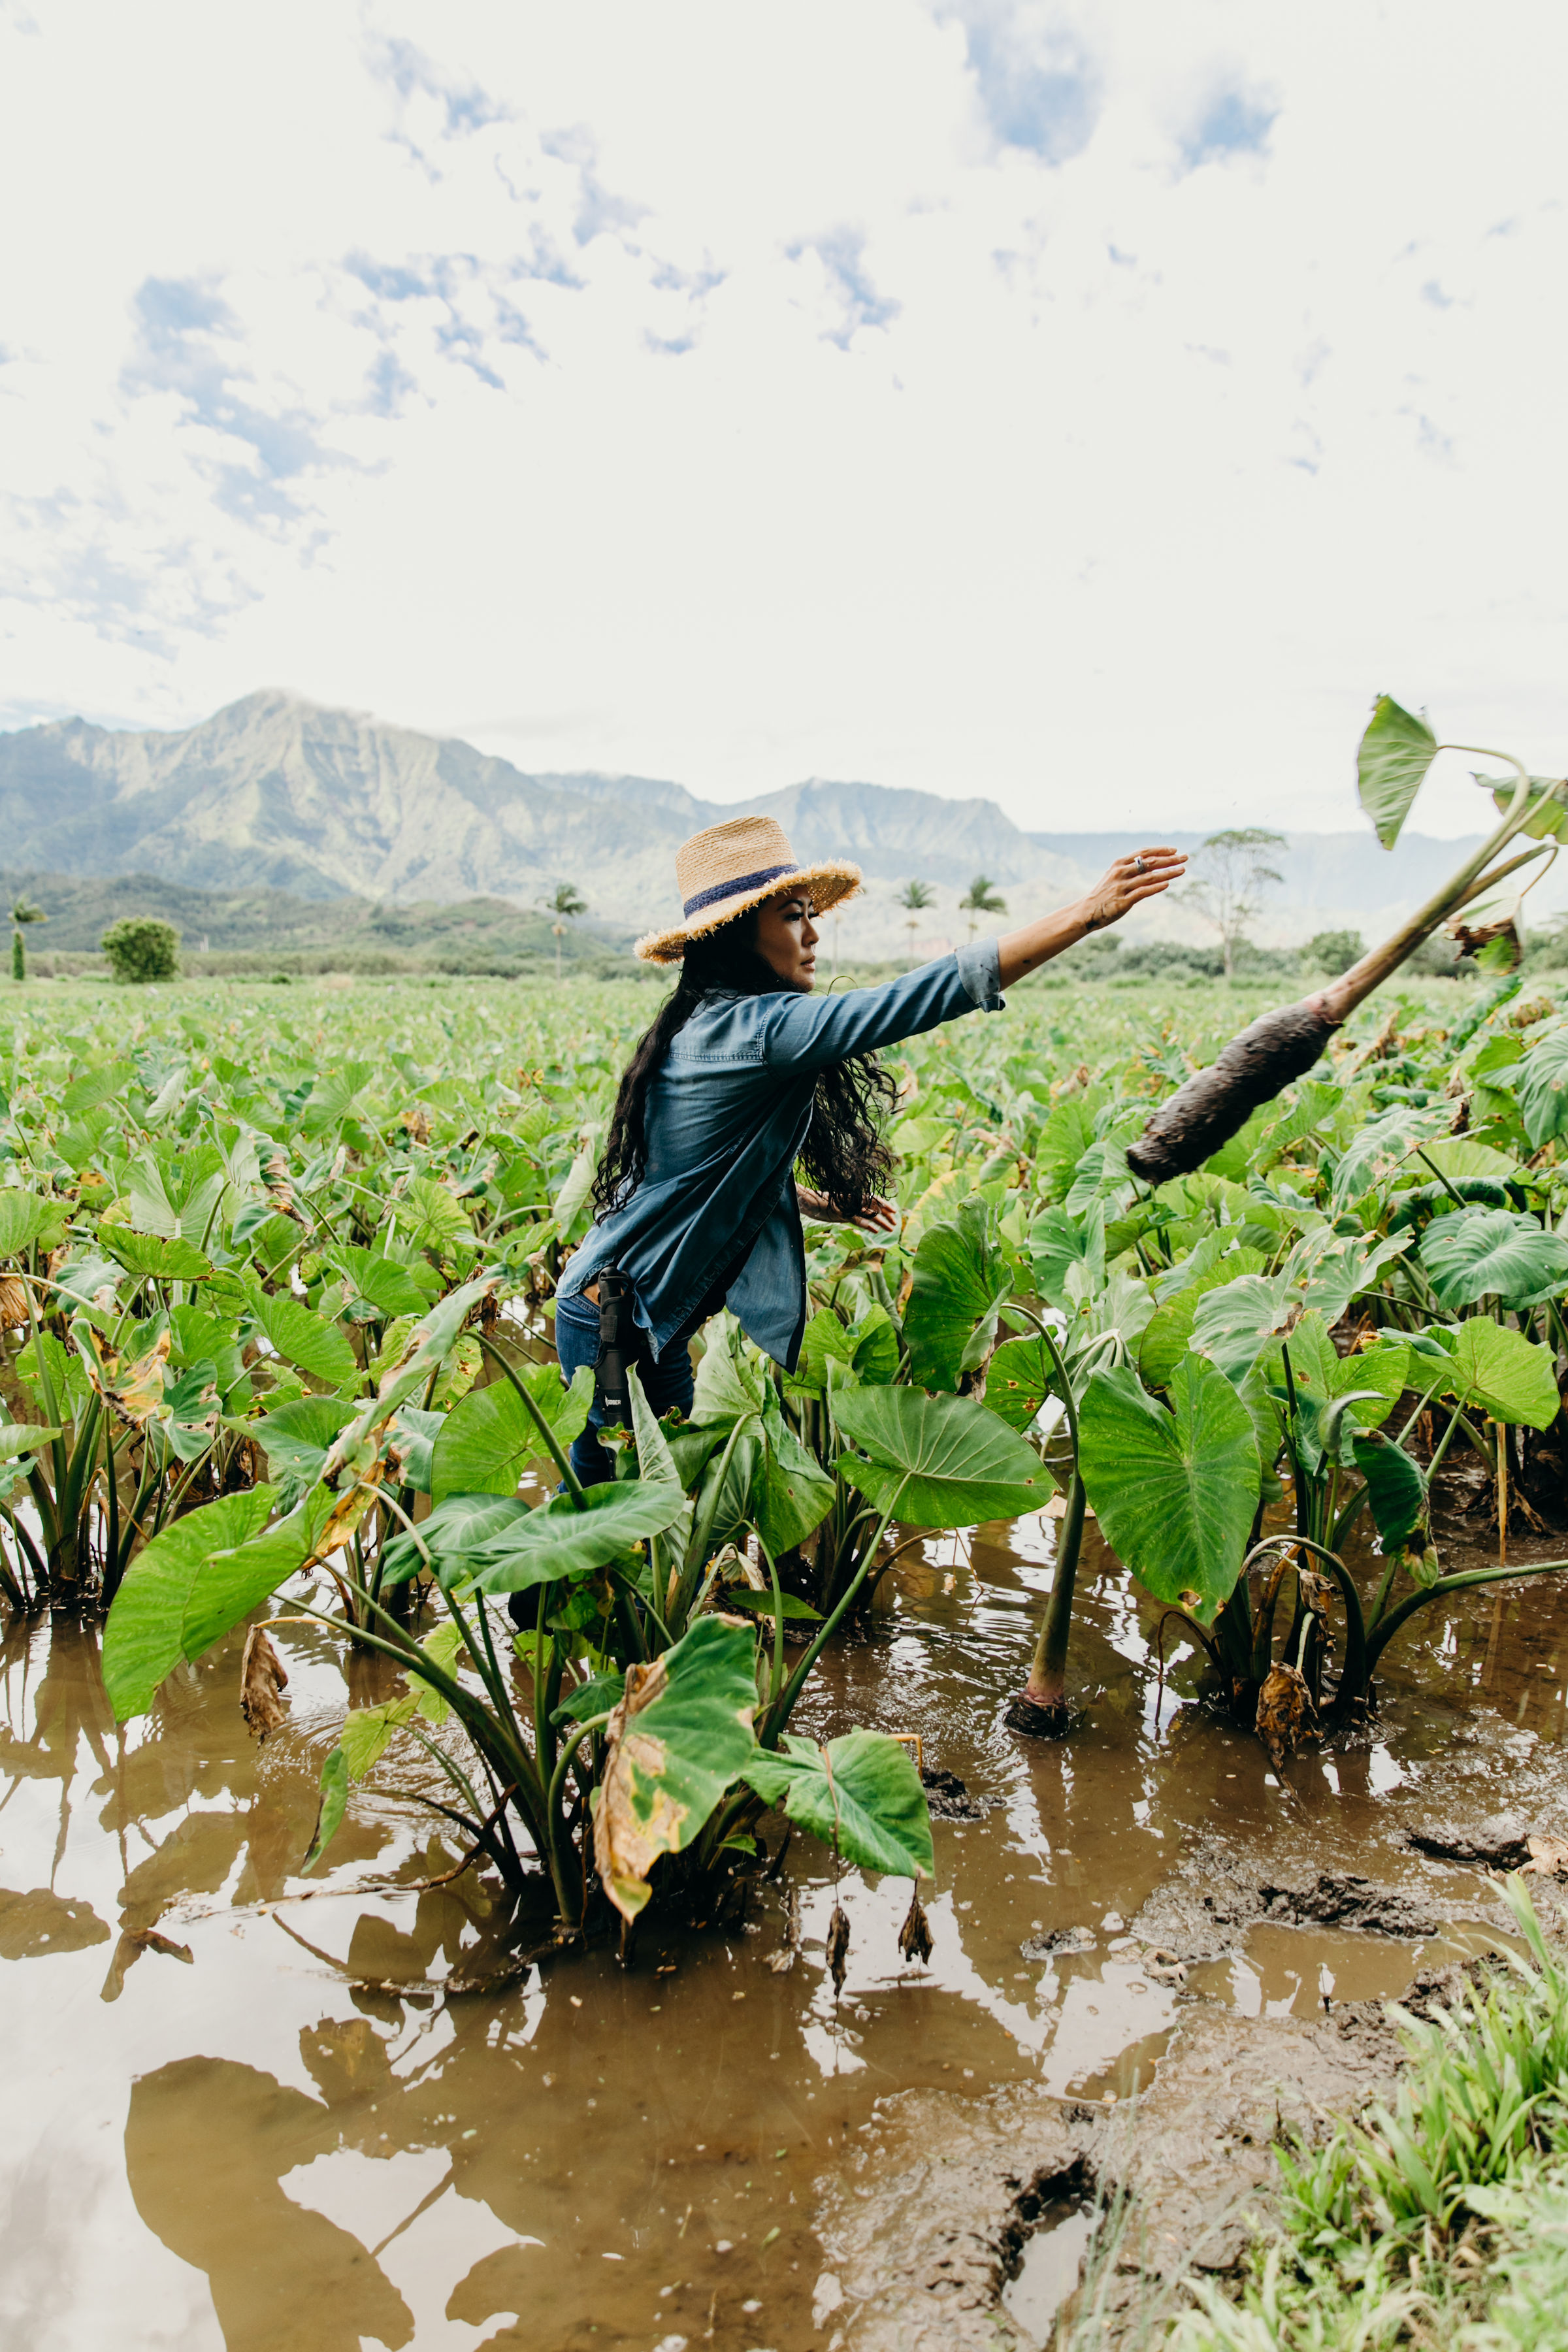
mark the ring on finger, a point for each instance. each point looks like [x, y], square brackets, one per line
[1139, 867]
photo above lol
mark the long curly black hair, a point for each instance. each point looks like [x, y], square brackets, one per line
[843, 1156]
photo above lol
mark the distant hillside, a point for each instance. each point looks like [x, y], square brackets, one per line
[267, 930]
[274, 796]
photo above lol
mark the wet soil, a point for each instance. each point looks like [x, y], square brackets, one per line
[248, 2110]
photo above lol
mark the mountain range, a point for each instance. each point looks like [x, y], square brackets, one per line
[277, 794]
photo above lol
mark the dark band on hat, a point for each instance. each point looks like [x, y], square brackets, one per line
[733, 889]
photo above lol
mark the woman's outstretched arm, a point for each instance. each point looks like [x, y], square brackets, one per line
[1144, 874]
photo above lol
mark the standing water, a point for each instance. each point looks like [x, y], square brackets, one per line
[250, 2110]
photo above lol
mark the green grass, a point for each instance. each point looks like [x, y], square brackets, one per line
[1441, 2218]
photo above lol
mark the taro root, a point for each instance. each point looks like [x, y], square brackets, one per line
[1395, 753]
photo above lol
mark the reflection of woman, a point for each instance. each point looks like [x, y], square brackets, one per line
[744, 1074]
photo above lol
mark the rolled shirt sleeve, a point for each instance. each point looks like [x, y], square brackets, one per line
[809, 1032]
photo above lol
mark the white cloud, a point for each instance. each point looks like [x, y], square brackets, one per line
[1092, 406]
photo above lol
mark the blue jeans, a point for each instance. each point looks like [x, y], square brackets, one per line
[669, 1382]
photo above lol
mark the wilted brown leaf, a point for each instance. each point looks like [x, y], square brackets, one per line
[275, 1176]
[1284, 1703]
[132, 1391]
[838, 1946]
[416, 1121]
[13, 1301]
[262, 1674]
[914, 1936]
[1548, 1857]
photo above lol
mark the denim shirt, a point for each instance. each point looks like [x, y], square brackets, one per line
[727, 1115]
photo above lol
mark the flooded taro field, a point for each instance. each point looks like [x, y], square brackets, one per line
[250, 2110]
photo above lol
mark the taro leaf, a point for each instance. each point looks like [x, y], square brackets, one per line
[680, 1738]
[188, 1416]
[366, 1730]
[414, 1435]
[559, 1540]
[1396, 1489]
[229, 1583]
[1548, 803]
[943, 1462]
[727, 1390]
[655, 1462]
[1390, 765]
[334, 1803]
[421, 1351]
[132, 1391]
[1018, 1381]
[1498, 1369]
[1380, 1149]
[1540, 1088]
[490, 1437]
[876, 1356]
[1234, 1325]
[458, 1524]
[335, 1094]
[792, 1494]
[824, 1338]
[145, 1636]
[296, 1436]
[1327, 1270]
[862, 1794]
[1170, 1328]
[21, 1437]
[1056, 1242]
[146, 1253]
[435, 1218]
[760, 1604]
[387, 1285]
[598, 1695]
[152, 1211]
[1470, 1252]
[958, 1284]
[307, 1341]
[1319, 1370]
[24, 1218]
[1174, 1492]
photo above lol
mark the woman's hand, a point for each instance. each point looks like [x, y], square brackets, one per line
[1130, 881]
[1141, 876]
[878, 1217]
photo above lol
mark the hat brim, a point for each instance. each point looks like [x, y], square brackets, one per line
[828, 886]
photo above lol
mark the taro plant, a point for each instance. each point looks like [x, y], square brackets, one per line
[1179, 1487]
[593, 1691]
[1395, 753]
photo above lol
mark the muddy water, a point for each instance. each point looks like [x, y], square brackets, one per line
[274, 2128]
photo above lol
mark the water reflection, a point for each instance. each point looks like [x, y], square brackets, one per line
[273, 2108]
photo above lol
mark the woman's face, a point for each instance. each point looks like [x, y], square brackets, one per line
[786, 939]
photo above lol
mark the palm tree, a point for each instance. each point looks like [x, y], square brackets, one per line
[915, 896]
[23, 911]
[562, 901]
[979, 899]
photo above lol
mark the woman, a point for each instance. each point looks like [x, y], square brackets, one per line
[746, 1074]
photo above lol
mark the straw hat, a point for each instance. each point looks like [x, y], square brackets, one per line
[726, 868]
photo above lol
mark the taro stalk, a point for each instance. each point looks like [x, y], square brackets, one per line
[1395, 753]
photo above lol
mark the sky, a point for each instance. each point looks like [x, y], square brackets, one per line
[1088, 406]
